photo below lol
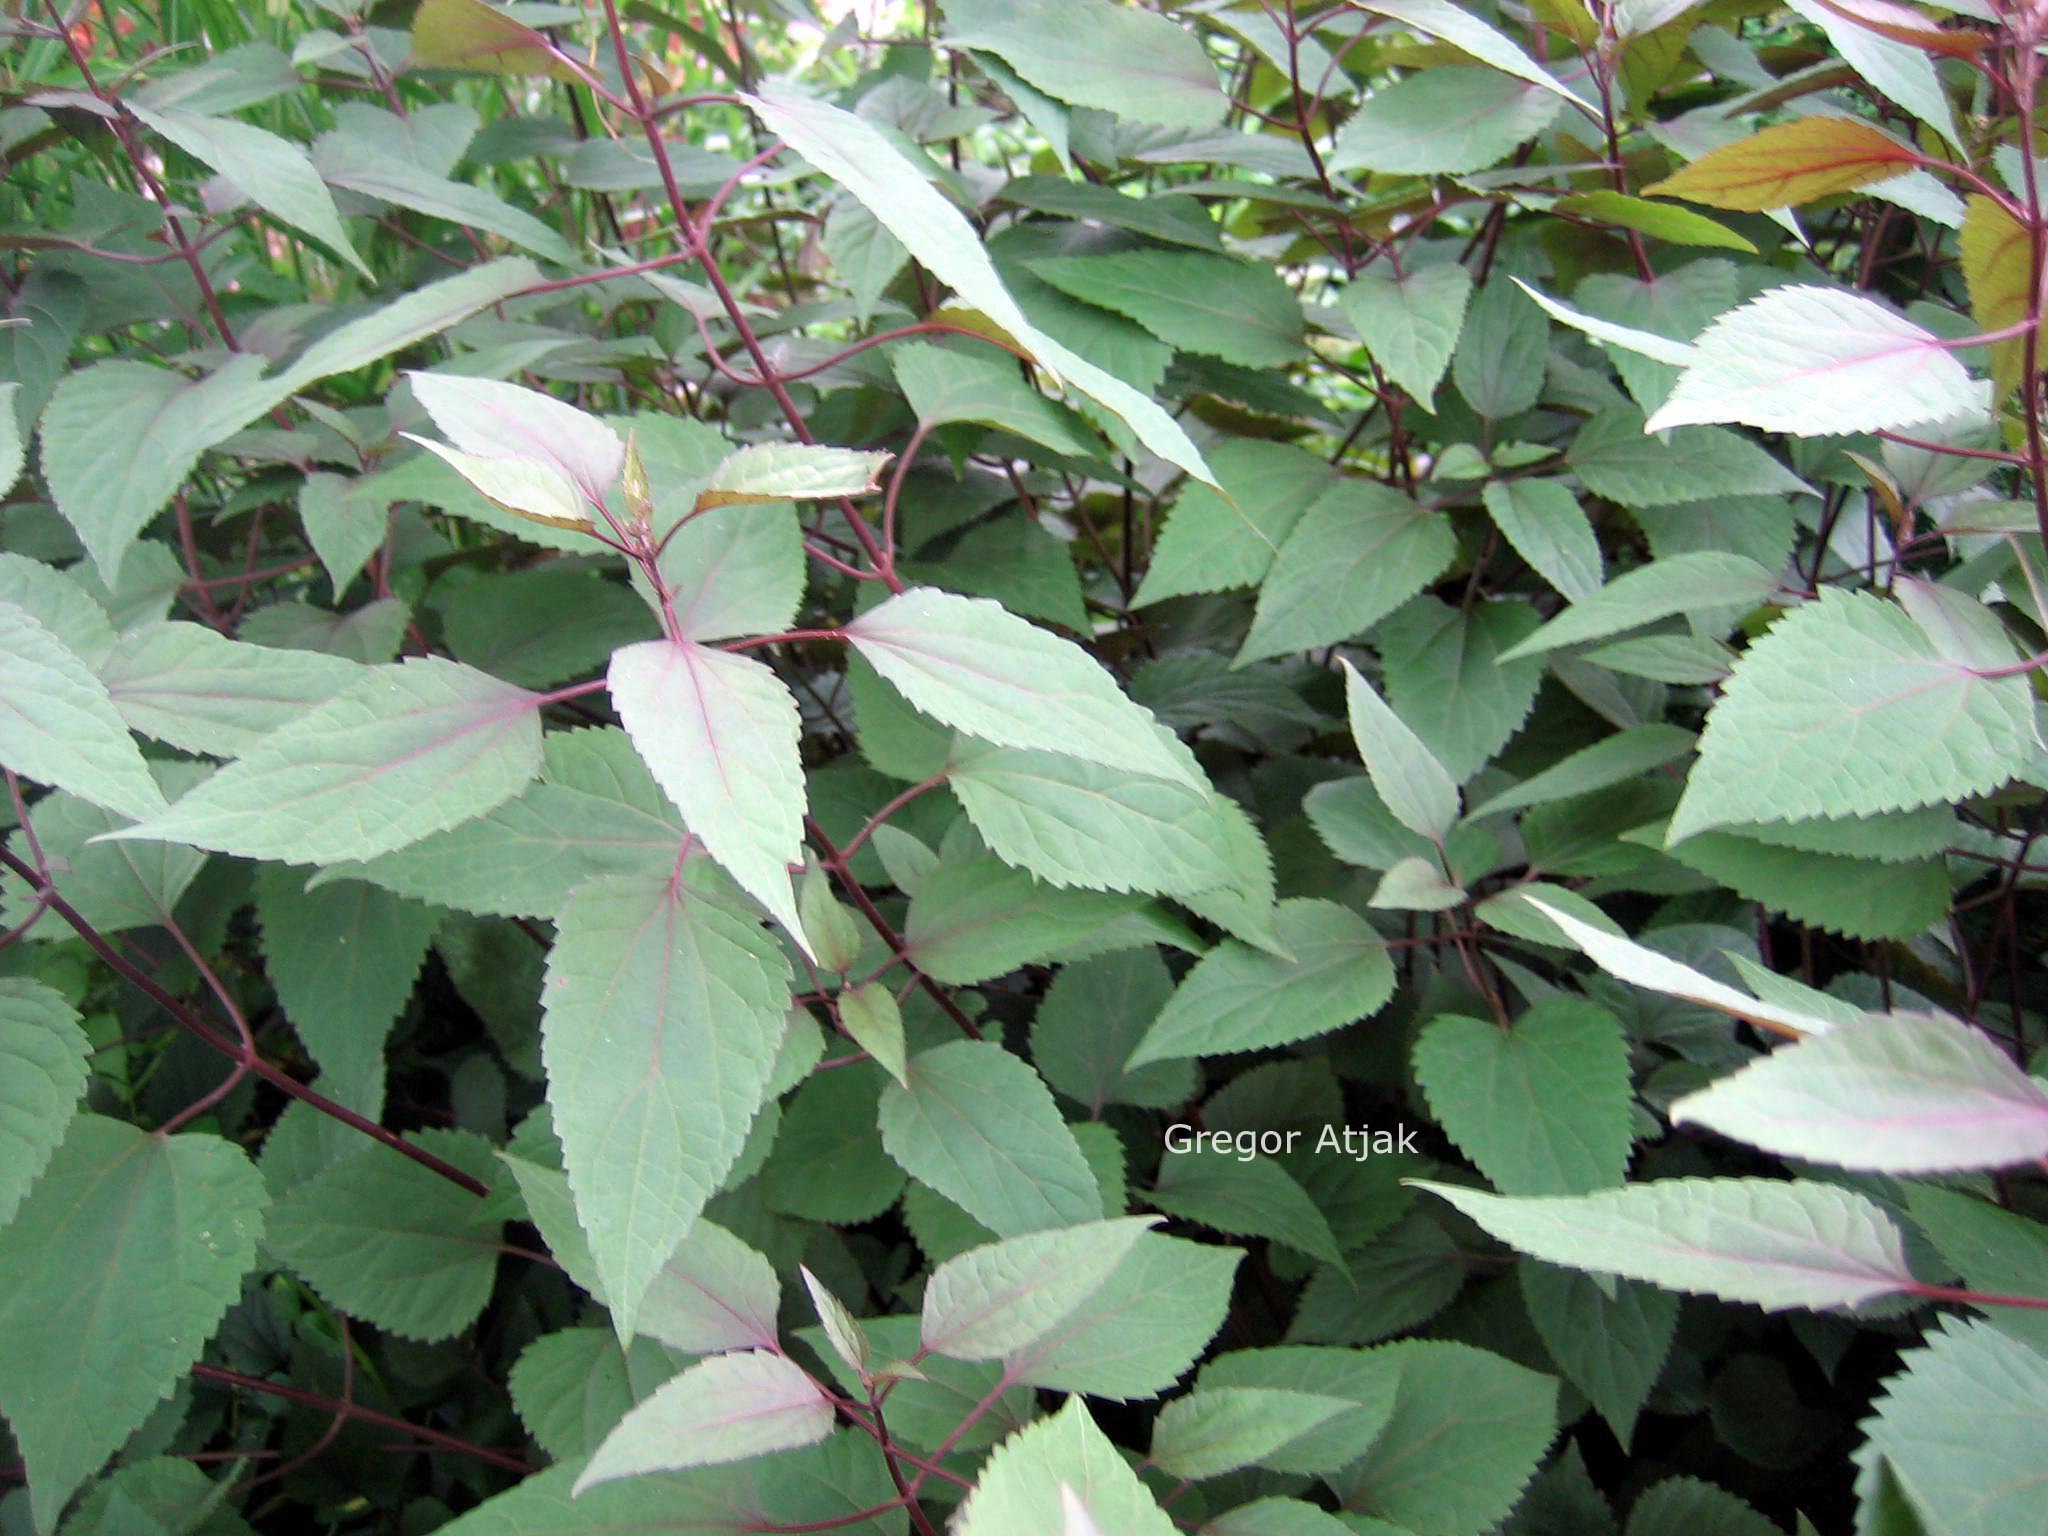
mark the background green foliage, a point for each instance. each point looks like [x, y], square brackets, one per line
[682, 686]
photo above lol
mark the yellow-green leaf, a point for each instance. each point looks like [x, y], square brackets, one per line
[1996, 266]
[1790, 164]
[468, 34]
[1679, 226]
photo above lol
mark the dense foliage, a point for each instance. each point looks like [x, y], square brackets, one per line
[1043, 767]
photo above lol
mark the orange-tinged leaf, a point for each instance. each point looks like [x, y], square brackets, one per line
[1790, 164]
[470, 34]
[1903, 24]
[1997, 268]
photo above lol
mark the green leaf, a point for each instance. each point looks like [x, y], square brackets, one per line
[874, 1022]
[1446, 120]
[1770, 1243]
[1023, 564]
[369, 635]
[1864, 898]
[1147, 1324]
[13, 444]
[828, 1163]
[790, 472]
[712, 1294]
[1398, 1280]
[1685, 1506]
[1094, 54]
[274, 172]
[95, 1338]
[1499, 365]
[118, 438]
[345, 523]
[1544, 523]
[113, 886]
[863, 253]
[193, 688]
[1466, 32]
[993, 1300]
[1676, 584]
[542, 626]
[974, 920]
[831, 1481]
[1040, 1477]
[873, 169]
[720, 732]
[1661, 221]
[395, 326]
[1366, 1379]
[1447, 683]
[342, 958]
[155, 1496]
[1827, 714]
[59, 727]
[1615, 458]
[394, 1243]
[1642, 967]
[1627, 755]
[1219, 1430]
[1173, 218]
[58, 602]
[1812, 361]
[1963, 1429]
[1901, 69]
[736, 570]
[1410, 323]
[1238, 998]
[1996, 1250]
[1416, 883]
[1082, 824]
[1611, 1347]
[1210, 544]
[967, 663]
[1214, 305]
[409, 750]
[1684, 660]
[1467, 1430]
[1091, 1017]
[1242, 1195]
[1899, 1093]
[597, 810]
[1626, 344]
[1414, 785]
[944, 384]
[841, 1328]
[42, 1077]
[662, 1016]
[1542, 1108]
[727, 1408]
[1291, 1517]
[978, 1126]
[1356, 555]
[570, 1387]
[358, 157]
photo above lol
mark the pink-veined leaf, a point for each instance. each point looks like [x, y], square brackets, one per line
[1898, 1093]
[1816, 361]
[409, 750]
[720, 732]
